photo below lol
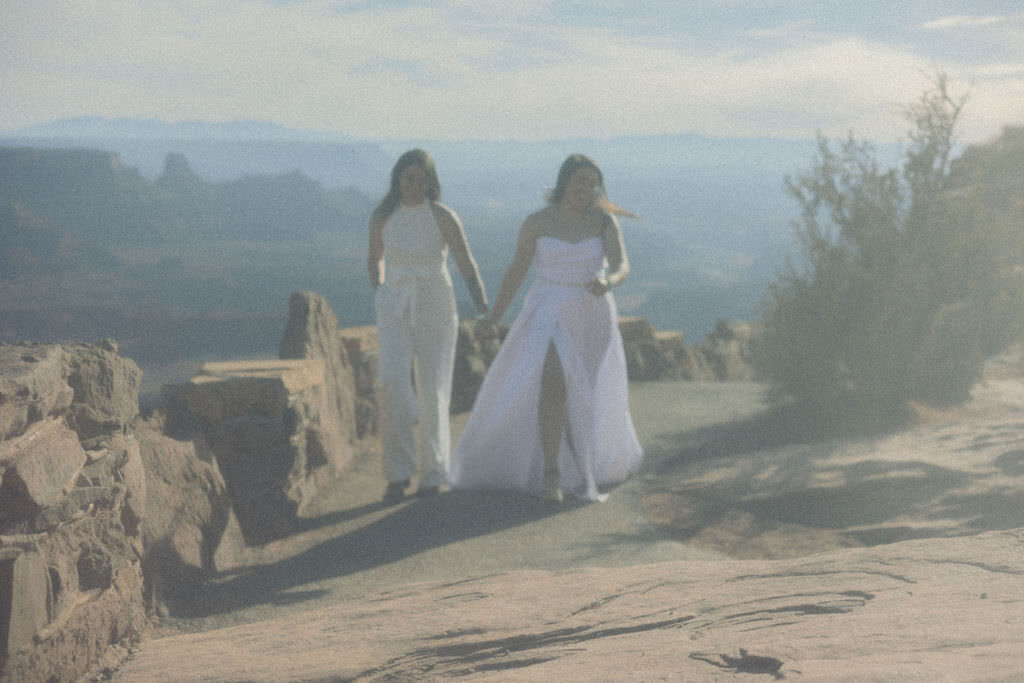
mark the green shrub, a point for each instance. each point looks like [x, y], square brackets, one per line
[907, 278]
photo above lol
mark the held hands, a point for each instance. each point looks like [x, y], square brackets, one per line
[485, 328]
[599, 287]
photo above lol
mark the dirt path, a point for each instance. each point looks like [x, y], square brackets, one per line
[357, 546]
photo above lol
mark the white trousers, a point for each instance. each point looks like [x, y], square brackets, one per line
[417, 326]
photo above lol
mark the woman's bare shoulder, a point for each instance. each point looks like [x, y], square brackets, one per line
[542, 217]
[535, 225]
[443, 209]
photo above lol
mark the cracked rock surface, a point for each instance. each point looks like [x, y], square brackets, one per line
[918, 610]
[736, 554]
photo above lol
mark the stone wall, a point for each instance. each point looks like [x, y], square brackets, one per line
[72, 498]
[103, 513]
[652, 354]
[281, 429]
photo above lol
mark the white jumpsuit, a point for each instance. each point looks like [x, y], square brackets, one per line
[417, 325]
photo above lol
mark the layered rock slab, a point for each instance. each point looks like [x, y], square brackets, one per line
[913, 611]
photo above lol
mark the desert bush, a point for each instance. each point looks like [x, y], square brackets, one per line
[907, 278]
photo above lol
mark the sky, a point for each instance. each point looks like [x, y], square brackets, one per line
[514, 69]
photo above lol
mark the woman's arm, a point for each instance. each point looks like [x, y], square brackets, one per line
[517, 271]
[375, 255]
[615, 252]
[454, 235]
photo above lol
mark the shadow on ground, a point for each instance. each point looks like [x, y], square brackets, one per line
[772, 485]
[722, 475]
[399, 532]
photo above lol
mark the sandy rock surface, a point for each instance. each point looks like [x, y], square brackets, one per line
[735, 555]
[915, 611]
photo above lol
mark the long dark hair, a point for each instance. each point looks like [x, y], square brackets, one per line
[573, 163]
[569, 167]
[414, 157]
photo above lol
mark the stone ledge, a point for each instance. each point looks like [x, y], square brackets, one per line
[231, 389]
[295, 374]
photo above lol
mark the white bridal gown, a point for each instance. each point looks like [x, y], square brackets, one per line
[501, 447]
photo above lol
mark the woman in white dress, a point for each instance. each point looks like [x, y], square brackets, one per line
[411, 234]
[553, 411]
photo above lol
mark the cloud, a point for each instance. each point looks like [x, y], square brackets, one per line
[962, 21]
[1000, 71]
[786, 31]
[489, 69]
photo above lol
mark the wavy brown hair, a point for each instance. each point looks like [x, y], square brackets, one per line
[569, 167]
[573, 163]
[414, 157]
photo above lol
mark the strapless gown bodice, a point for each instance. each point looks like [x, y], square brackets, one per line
[571, 264]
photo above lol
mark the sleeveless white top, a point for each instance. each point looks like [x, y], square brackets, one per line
[417, 285]
[412, 238]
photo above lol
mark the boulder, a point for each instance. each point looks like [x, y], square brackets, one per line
[473, 355]
[189, 529]
[37, 467]
[647, 356]
[32, 385]
[727, 350]
[93, 586]
[313, 333]
[652, 354]
[686, 362]
[273, 432]
[106, 389]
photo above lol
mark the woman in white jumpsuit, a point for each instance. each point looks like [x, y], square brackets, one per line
[411, 234]
[553, 411]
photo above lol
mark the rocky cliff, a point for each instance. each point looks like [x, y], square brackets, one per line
[101, 511]
[72, 499]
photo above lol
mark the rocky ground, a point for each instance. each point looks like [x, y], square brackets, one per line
[741, 550]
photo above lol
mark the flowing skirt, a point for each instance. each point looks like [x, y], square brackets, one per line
[501, 445]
